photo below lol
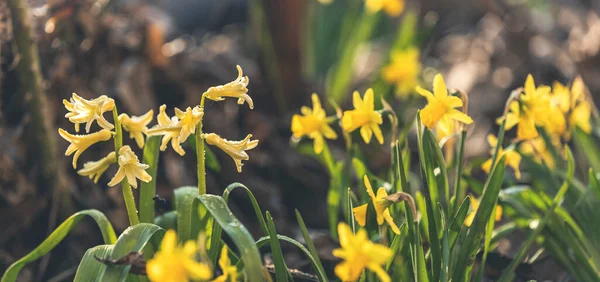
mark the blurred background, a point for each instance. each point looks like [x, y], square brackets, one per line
[148, 53]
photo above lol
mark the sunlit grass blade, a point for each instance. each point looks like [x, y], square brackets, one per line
[397, 243]
[445, 246]
[90, 269]
[148, 190]
[311, 246]
[281, 270]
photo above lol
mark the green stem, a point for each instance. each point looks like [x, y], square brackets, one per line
[125, 187]
[461, 192]
[200, 154]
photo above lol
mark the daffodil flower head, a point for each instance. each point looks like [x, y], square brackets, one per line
[513, 158]
[95, 169]
[230, 272]
[234, 89]
[538, 149]
[403, 71]
[532, 109]
[170, 129]
[313, 123]
[474, 206]
[517, 115]
[175, 263]
[235, 149]
[581, 116]
[88, 111]
[381, 205]
[364, 117]
[80, 143]
[441, 106]
[130, 167]
[188, 121]
[391, 7]
[358, 253]
[137, 126]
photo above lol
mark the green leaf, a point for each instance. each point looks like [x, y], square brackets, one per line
[189, 219]
[148, 190]
[281, 270]
[91, 269]
[167, 221]
[397, 243]
[588, 144]
[311, 247]
[212, 162]
[108, 234]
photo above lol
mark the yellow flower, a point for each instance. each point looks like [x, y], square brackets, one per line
[523, 120]
[364, 116]
[169, 129]
[174, 263]
[230, 272]
[95, 169]
[235, 149]
[136, 126]
[474, 206]
[441, 106]
[234, 89]
[533, 110]
[403, 71]
[381, 205]
[538, 149]
[130, 167]
[359, 253]
[313, 123]
[513, 159]
[581, 116]
[188, 121]
[86, 111]
[391, 7]
[79, 143]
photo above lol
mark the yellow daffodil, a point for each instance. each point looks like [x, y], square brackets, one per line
[533, 110]
[230, 272]
[234, 89]
[574, 106]
[381, 205]
[523, 120]
[188, 121]
[358, 253]
[513, 159]
[391, 7]
[440, 106]
[235, 149]
[313, 123]
[474, 206]
[403, 71]
[170, 129]
[130, 167]
[364, 117]
[136, 126]
[174, 263]
[581, 116]
[88, 111]
[79, 143]
[561, 96]
[538, 150]
[95, 169]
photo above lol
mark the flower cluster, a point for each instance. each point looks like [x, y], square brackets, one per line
[403, 71]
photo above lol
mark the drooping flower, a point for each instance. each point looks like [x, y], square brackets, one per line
[188, 121]
[130, 167]
[175, 263]
[95, 169]
[440, 106]
[403, 71]
[391, 7]
[513, 159]
[234, 89]
[358, 253]
[474, 206]
[88, 111]
[538, 149]
[79, 143]
[136, 126]
[235, 149]
[313, 123]
[381, 205]
[170, 130]
[230, 272]
[364, 117]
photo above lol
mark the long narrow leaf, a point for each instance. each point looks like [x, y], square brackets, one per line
[148, 190]
[311, 247]
[281, 270]
[90, 269]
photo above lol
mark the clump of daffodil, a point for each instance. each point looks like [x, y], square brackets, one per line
[513, 159]
[175, 263]
[381, 205]
[537, 149]
[313, 124]
[234, 89]
[474, 206]
[79, 143]
[531, 110]
[88, 111]
[136, 126]
[403, 71]
[95, 169]
[441, 107]
[177, 128]
[391, 7]
[235, 149]
[364, 117]
[358, 253]
[130, 168]
[575, 107]
[230, 272]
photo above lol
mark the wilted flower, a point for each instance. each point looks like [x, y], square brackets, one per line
[364, 117]
[86, 111]
[188, 121]
[313, 123]
[136, 126]
[513, 159]
[391, 7]
[130, 167]
[358, 253]
[381, 205]
[441, 106]
[79, 143]
[234, 89]
[170, 130]
[403, 71]
[95, 169]
[474, 206]
[235, 149]
[230, 272]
